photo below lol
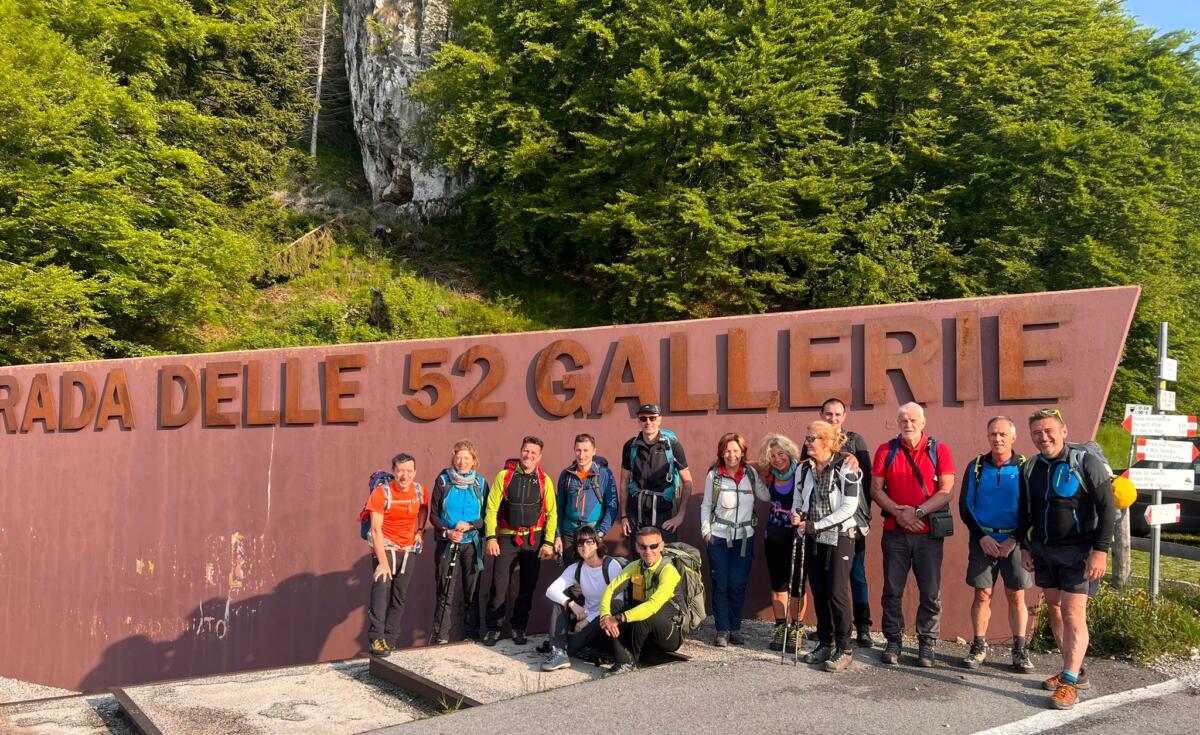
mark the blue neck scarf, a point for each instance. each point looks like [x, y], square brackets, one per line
[787, 474]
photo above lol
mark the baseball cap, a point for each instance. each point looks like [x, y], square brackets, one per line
[648, 409]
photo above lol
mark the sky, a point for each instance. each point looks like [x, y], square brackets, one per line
[1166, 15]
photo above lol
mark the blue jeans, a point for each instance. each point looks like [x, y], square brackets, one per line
[730, 571]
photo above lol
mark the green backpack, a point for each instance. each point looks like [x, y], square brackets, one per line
[689, 597]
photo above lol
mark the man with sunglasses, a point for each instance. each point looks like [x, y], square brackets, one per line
[651, 614]
[1065, 517]
[655, 478]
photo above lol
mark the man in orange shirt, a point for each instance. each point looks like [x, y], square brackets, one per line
[398, 511]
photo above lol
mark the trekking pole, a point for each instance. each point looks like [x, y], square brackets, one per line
[447, 582]
[803, 607]
[787, 604]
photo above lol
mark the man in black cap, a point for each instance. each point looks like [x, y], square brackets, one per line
[655, 479]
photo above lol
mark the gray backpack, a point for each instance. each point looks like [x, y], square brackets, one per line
[689, 597]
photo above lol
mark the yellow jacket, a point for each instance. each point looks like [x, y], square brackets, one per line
[496, 496]
[660, 579]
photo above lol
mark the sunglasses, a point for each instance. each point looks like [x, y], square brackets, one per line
[647, 419]
[811, 438]
[648, 547]
[585, 542]
[1046, 413]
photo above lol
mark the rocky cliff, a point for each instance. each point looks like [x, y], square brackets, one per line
[389, 42]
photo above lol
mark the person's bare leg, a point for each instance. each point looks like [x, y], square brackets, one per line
[981, 612]
[1018, 614]
[1075, 630]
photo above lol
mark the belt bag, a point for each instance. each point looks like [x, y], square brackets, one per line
[941, 523]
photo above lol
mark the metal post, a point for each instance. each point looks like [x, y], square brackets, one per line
[1156, 531]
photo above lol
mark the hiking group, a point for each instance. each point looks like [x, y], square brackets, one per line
[1046, 520]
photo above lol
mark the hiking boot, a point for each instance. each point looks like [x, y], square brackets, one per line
[925, 654]
[1064, 696]
[891, 653]
[777, 632]
[864, 638]
[812, 636]
[721, 640]
[1021, 662]
[818, 655]
[736, 638]
[1052, 683]
[795, 639]
[519, 637]
[975, 657]
[544, 647]
[380, 648]
[619, 669]
[840, 659]
[558, 660]
[491, 638]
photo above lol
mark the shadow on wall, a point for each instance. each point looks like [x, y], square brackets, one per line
[287, 626]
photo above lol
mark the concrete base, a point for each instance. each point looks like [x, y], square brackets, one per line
[323, 699]
[80, 715]
[484, 675]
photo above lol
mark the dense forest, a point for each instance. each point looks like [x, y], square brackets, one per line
[674, 158]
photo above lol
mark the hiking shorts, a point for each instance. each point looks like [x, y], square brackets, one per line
[1063, 568]
[982, 570]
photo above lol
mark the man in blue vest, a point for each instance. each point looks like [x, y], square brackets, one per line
[987, 504]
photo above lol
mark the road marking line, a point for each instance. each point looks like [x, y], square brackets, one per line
[1051, 719]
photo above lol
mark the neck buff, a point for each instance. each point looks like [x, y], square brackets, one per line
[464, 479]
[786, 475]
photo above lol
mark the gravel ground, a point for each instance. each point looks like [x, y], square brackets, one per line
[15, 690]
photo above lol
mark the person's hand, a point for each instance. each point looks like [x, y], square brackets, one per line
[801, 527]
[455, 536]
[577, 610]
[1026, 560]
[558, 545]
[1006, 548]
[797, 519]
[462, 526]
[672, 524]
[546, 552]
[492, 548]
[383, 572]
[989, 546]
[1097, 565]
[609, 625]
[850, 462]
[707, 538]
[626, 527]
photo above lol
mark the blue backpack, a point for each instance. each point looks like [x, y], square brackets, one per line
[668, 437]
[364, 516]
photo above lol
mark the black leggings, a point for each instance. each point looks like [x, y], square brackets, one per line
[829, 579]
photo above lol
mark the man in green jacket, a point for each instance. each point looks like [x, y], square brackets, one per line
[652, 612]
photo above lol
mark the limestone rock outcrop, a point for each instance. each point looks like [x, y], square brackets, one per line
[388, 43]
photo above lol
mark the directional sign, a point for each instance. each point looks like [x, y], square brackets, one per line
[1138, 408]
[1166, 400]
[1170, 369]
[1149, 478]
[1160, 425]
[1159, 515]
[1159, 450]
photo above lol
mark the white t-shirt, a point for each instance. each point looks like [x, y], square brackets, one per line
[591, 580]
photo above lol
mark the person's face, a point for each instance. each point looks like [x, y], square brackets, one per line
[463, 461]
[1048, 436]
[531, 454]
[912, 423]
[834, 413]
[780, 459]
[405, 473]
[649, 424]
[586, 548]
[650, 549]
[731, 455]
[584, 452]
[816, 443]
[1001, 437]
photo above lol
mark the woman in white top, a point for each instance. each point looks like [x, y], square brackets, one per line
[727, 521]
[577, 593]
[827, 494]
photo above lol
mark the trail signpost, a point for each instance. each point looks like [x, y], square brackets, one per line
[1157, 515]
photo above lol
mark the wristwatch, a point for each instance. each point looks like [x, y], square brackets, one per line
[919, 512]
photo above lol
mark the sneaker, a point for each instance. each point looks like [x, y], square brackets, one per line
[519, 637]
[380, 648]
[840, 659]
[558, 660]
[925, 654]
[736, 638]
[864, 638]
[1052, 683]
[440, 641]
[1021, 662]
[818, 655]
[1064, 696]
[976, 656]
[891, 653]
[777, 632]
[491, 638]
[619, 669]
[721, 640]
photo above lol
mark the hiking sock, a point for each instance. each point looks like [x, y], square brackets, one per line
[1070, 677]
[1018, 643]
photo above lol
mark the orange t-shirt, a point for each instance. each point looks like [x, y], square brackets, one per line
[399, 521]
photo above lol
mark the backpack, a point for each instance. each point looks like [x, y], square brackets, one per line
[1075, 455]
[716, 493]
[862, 514]
[364, 516]
[603, 568]
[687, 562]
[931, 446]
[592, 483]
[972, 489]
[524, 529]
[668, 437]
